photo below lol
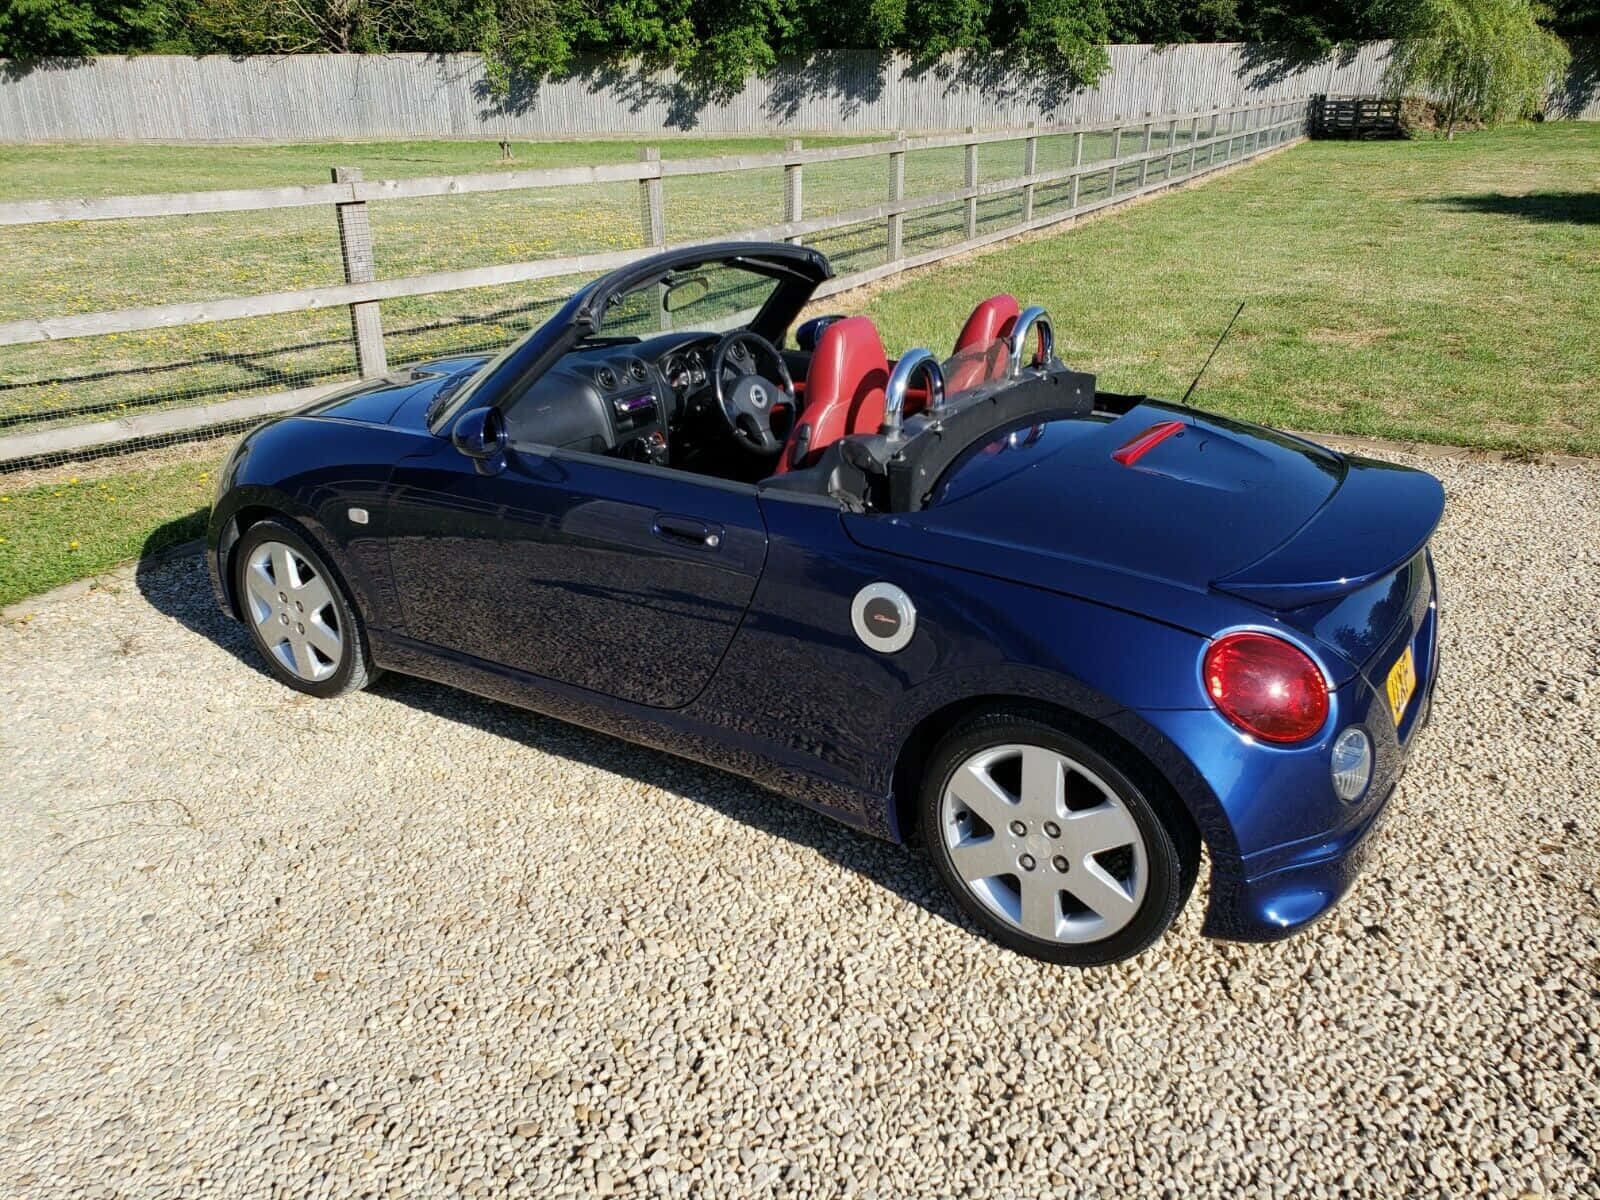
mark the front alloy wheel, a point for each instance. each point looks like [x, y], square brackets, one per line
[292, 607]
[1051, 847]
[299, 614]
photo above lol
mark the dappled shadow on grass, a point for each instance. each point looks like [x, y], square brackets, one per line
[1570, 208]
[178, 588]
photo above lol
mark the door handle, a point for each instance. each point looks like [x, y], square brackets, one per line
[687, 529]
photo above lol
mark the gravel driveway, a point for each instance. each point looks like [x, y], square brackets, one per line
[415, 942]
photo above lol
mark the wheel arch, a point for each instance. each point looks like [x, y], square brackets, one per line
[1149, 758]
[258, 508]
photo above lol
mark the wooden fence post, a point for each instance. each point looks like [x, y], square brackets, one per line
[1030, 164]
[971, 176]
[1144, 149]
[652, 203]
[793, 195]
[1172, 147]
[1077, 161]
[897, 193]
[1116, 153]
[355, 247]
[1194, 136]
[653, 222]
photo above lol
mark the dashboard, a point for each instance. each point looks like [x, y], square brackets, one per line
[619, 397]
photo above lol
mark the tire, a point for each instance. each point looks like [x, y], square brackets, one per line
[1082, 866]
[299, 613]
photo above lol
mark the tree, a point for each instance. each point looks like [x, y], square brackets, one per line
[32, 29]
[1485, 60]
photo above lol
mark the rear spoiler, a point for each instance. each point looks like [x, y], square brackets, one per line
[1375, 522]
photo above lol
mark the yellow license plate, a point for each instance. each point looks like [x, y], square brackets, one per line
[1401, 683]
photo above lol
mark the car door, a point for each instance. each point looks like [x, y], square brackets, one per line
[621, 578]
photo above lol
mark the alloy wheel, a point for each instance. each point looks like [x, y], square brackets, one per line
[291, 605]
[1044, 843]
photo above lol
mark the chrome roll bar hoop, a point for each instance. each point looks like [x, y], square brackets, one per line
[1030, 317]
[912, 363]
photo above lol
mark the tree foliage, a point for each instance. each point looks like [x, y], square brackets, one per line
[1484, 60]
[72, 28]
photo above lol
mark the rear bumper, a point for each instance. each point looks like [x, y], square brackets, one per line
[1297, 848]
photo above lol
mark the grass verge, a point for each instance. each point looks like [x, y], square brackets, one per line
[52, 533]
[88, 266]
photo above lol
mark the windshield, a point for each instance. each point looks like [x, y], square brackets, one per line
[708, 289]
[714, 297]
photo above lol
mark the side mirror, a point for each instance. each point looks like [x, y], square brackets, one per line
[480, 434]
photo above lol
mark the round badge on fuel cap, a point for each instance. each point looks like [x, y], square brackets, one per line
[884, 617]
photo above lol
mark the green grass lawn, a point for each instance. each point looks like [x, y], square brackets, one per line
[1437, 291]
[1428, 290]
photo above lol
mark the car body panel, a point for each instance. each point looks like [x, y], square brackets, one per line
[1213, 498]
[569, 566]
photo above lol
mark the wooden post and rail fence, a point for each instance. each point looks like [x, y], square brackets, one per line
[1214, 138]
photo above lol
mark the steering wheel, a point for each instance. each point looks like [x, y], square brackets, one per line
[747, 397]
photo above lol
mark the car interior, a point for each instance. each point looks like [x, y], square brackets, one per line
[830, 416]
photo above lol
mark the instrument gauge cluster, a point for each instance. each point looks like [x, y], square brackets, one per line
[685, 371]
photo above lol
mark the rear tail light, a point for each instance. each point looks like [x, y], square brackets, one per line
[1267, 687]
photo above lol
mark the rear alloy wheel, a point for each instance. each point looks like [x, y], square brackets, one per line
[1049, 846]
[298, 613]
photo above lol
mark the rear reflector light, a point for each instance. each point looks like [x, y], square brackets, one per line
[1137, 447]
[1266, 687]
[1351, 763]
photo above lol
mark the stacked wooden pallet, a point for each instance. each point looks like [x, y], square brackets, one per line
[1355, 117]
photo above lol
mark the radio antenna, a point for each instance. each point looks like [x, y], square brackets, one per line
[1196, 381]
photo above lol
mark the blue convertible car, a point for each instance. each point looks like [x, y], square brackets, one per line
[1063, 635]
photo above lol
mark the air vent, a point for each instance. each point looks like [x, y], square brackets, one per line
[606, 378]
[636, 369]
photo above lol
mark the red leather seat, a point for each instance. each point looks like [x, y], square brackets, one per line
[844, 391]
[981, 350]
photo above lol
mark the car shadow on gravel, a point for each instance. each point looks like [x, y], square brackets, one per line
[173, 580]
[176, 586]
[904, 872]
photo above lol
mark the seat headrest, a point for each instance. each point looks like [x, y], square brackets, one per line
[990, 321]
